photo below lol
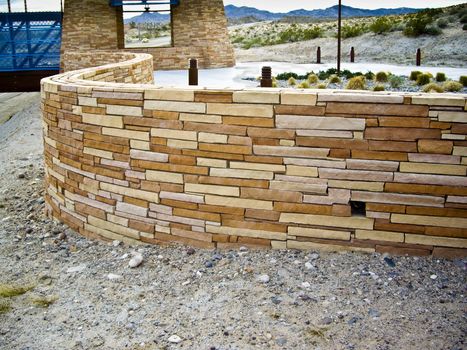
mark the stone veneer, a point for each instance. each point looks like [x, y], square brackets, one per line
[262, 167]
[199, 30]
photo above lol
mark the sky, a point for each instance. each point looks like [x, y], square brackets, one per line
[270, 5]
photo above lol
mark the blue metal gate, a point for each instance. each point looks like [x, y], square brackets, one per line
[30, 41]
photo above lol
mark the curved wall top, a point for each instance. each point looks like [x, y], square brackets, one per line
[273, 168]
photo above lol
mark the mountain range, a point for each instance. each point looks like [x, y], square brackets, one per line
[234, 13]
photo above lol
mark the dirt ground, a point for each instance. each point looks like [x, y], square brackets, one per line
[82, 294]
[447, 49]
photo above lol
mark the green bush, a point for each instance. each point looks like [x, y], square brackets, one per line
[350, 31]
[286, 76]
[334, 79]
[414, 75]
[356, 83]
[433, 87]
[395, 81]
[433, 30]
[464, 19]
[463, 80]
[423, 79]
[381, 25]
[442, 23]
[417, 24]
[292, 81]
[452, 86]
[312, 79]
[381, 77]
[303, 85]
[369, 75]
[440, 77]
[378, 88]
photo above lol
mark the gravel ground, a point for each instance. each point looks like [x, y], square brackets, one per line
[183, 298]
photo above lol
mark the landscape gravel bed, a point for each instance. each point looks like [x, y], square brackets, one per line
[183, 298]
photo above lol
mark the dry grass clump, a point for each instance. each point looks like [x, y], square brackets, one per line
[313, 79]
[303, 85]
[334, 79]
[44, 301]
[378, 88]
[5, 306]
[423, 79]
[356, 83]
[9, 290]
[321, 86]
[433, 87]
[452, 86]
[381, 77]
[292, 81]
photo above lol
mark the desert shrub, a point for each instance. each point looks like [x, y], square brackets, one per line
[381, 25]
[452, 19]
[464, 27]
[417, 24]
[414, 75]
[463, 19]
[452, 86]
[440, 77]
[294, 34]
[442, 23]
[378, 88]
[274, 84]
[323, 75]
[369, 75]
[356, 83]
[351, 31]
[433, 87]
[312, 79]
[433, 30]
[321, 86]
[381, 77]
[334, 79]
[423, 79]
[286, 76]
[429, 74]
[303, 85]
[463, 80]
[291, 81]
[395, 81]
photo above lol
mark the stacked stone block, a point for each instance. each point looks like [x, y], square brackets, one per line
[268, 168]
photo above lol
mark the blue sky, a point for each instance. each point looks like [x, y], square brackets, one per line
[270, 5]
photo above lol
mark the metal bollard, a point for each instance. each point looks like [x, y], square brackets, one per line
[193, 72]
[419, 57]
[352, 55]
[266, 76]
[318, 55]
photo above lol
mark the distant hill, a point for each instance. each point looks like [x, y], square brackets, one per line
[235, 13]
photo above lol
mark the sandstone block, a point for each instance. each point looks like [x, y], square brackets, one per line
[183, 197]
[376, 109]
[424, 168]
[298, 98]
[361, 164]
[326, 123]
[256, 96]
[103, 120]
[112, 227]
[87, 101]
[169, 94]
[186, 107]
[257, 166]
[435, 146]
[132, 209]
[143, 145]
[125, 110]
[326, 133]
[319, 233]
[326, 247]
[401, 134]
[98, 153]
[357, 185]
[460, 151]
[451, 116]
[341, 96]
[238, 202]
[397, 198]
[328, 221]
[368, 175]
[241, 110]
[181, 144]
[129, 134]
[436, 241]
[334, 196]
[201, 118]
[213, 189]
[242, 174]
[438, 101]
[291, 151]
[152, 156]
[212, 138]
[434, 158]
[163, 176]
[429, 221]
[298, 186]
[215, 163]
[258, 193]
[130, 192]
[380, 235]
[174, 134]
[245, 232]
[423, 179]
[295, 170]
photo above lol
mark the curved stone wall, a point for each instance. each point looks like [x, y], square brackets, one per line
[273, 168]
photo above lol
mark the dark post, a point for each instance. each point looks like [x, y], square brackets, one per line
[9, 5]
[193, 72]
[25, 5]
[266, 77]
[352, 55]
[318, 55]
[339, 25]
[419, 57]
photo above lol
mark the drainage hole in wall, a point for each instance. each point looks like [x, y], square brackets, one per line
[358, 208]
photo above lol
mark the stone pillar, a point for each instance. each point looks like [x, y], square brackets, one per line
[92, 24]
